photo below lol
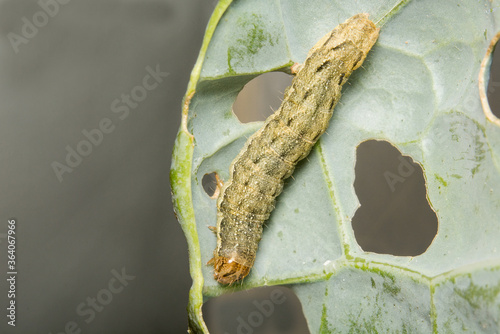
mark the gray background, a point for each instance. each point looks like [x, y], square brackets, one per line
[113, 211]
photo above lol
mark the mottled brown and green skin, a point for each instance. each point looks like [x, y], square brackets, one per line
[258, 173]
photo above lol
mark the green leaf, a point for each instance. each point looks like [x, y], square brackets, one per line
[418, 89]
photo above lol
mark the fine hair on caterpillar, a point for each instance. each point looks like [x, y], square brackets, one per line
[269, 156]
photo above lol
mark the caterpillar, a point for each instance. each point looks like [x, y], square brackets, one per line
[269, 156]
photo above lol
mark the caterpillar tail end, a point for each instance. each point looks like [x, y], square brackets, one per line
[227, 271]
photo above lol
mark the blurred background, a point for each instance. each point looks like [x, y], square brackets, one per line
[98, 244]
[90, 101]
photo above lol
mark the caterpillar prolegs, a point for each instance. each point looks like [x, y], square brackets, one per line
[269, 156]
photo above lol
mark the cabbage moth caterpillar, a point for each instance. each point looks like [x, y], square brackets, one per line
[269, 156]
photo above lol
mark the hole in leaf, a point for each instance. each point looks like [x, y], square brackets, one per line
[261, 97]
[275, 310]
[494, 85]
[394, 216]
[209, 183]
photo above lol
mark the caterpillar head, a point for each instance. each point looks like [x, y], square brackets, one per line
[227, 271]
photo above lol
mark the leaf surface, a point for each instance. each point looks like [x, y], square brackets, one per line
[418, 89]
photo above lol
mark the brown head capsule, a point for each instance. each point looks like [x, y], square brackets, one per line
[227, 271]
[269, 156]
